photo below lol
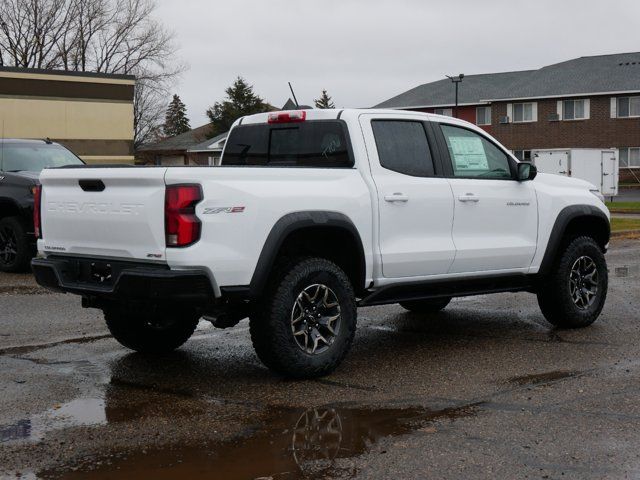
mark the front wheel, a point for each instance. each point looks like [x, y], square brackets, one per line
[306, 324]
[151, 330]
[574, 294]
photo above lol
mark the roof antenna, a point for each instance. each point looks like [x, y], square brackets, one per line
[294, 95]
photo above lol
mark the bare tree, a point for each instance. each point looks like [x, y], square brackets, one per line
[105, 36]
[29, 30]
[148, 112]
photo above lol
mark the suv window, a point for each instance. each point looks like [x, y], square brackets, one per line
[403, 147]
[472, 155]
[307, 144]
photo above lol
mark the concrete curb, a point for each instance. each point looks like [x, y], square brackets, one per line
[623, 214]
[624, 233]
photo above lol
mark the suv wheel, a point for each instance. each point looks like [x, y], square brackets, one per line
[426, 306]
[574, 294]
[15, 251]
[305, 327]
[148, 331]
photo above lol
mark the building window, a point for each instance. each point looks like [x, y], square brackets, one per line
[628, 107]
[447, 112]
[630, 157]
[573, 110]
[523, 155]
[523, 112]
[483, 116]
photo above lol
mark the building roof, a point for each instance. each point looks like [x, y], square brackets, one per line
[41, 71]
[580, 76]
[214, 144]
[472, 90]
[181, 142]
[585, 75]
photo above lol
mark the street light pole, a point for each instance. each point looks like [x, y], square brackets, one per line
[456, 81]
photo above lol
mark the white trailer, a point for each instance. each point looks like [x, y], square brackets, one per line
[597, 166]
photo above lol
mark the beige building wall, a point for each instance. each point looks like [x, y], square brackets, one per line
[91, 115]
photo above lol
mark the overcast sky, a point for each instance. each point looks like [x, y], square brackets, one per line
[365, 51]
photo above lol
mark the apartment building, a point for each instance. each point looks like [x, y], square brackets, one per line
[587, 102]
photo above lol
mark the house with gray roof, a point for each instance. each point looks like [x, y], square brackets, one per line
[173, 151]
[586, 102]
[208, 152]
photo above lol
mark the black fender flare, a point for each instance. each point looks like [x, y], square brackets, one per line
[296, 221]
[565, 216]
[12, 205]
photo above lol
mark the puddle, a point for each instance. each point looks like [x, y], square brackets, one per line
[79, 412]
[539, 378]
[118, 403]
[289, 443]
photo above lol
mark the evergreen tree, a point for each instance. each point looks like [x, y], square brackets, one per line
[176, 121]
[324, 101]
[240, 101]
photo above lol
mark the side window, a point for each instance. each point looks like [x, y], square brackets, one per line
[403, 147]
[472, 155]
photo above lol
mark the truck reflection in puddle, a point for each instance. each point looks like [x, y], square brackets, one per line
[290, 443]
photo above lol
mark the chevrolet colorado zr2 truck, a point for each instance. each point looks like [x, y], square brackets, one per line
[312, 214]
[21, 162]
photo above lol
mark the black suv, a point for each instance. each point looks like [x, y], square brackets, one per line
[21, 162]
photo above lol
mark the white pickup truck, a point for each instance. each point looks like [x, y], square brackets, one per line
[312, 214]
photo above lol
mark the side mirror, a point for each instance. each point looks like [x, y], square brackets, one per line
[526, 171]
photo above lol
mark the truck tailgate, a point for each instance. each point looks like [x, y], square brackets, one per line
[106, 212]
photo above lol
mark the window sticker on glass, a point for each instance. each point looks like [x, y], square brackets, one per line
[468, 153]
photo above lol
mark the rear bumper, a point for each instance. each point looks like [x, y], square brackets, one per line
[122, 281]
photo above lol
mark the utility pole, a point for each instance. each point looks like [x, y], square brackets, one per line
[456, 81]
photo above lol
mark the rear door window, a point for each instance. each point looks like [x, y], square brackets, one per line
[403, 147]
[320, 144]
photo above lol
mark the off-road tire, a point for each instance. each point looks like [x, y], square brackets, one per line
[149, 330]
[554, 292]
[271, 320]
[24, 251]
[426, 306]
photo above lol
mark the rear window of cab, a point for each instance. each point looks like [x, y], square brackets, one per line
[311, 144]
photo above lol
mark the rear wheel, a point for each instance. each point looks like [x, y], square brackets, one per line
[306, 324]
[15, 250]
[426, 306]
[574, 294]
[150, 331]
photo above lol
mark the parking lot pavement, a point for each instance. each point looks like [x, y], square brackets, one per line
[486, 389]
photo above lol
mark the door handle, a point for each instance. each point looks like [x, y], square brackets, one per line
[396, 197]
[468, 197]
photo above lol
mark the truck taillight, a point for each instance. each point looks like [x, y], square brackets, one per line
[37, 220]
[182, 227]
[288, 117]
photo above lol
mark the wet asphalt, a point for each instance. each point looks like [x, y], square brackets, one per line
[485, 389]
